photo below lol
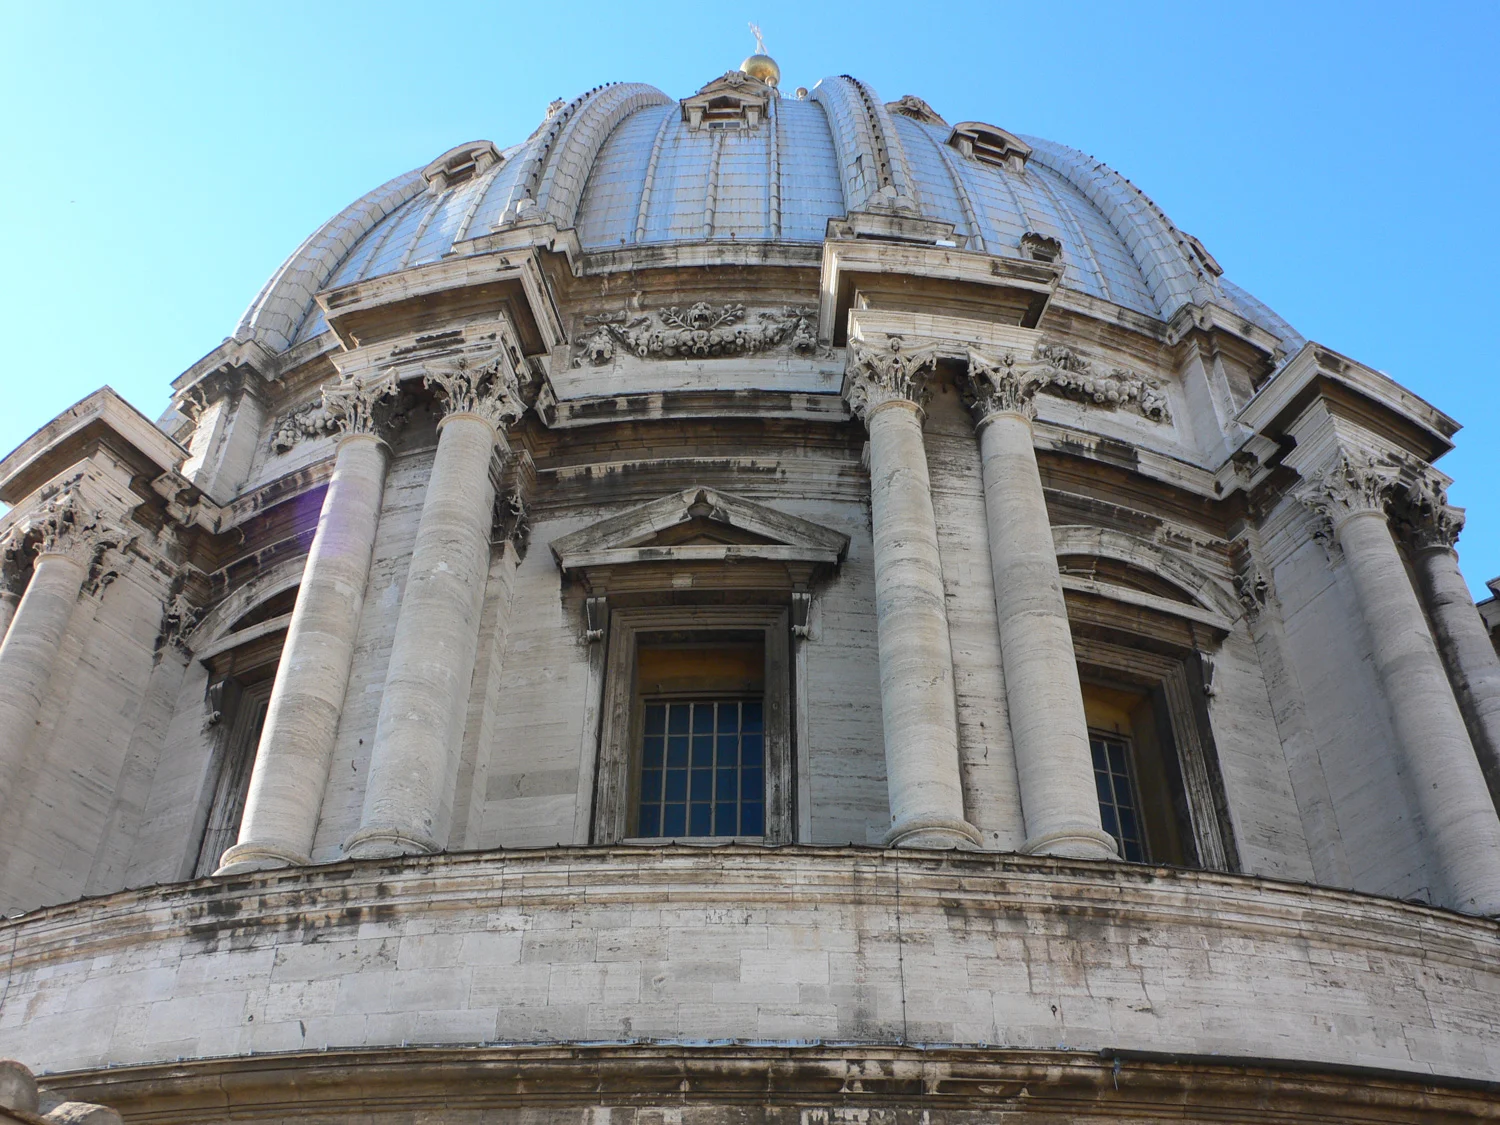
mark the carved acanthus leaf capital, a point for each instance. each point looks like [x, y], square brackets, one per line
[67, 525]
[1001, 386]
[486, 386]
[1423, 515]
[1357, 482]
[13, 561]
[876, 376]
[365, 405]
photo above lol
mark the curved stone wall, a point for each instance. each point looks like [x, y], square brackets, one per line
[739, 943]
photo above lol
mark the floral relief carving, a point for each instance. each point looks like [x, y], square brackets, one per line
[876, 376]
[699, 331]
[486, 386]
[66, 525]
[1073, 377]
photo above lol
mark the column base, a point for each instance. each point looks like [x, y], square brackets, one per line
[934, 832]
[243, 858]
[386, 843]
[1074, 843]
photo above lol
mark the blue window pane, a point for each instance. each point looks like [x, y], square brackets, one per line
[726, 818]
[674, 820]
[729, 751]
[677, 751]
[701, 822]
[677, 785]
[1106, 791]
[703, 785]
[752, 785]
[752, 820]
[677, 721]
[751, 712]
[651, 753]
[1100, 761]
[1133, 852]
[729, 717]
[1117, 759]
[656, 718]
[728, 785]
[650, 820]
[703, 718]
[1107, 816]
[703, 750]
[1127, 824]
[750, 747]
[651, 785]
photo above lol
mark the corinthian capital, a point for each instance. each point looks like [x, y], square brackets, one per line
[876, 376]
[485, 385]
[361, 405]
[66, 525]
[1357, 482]
[1423, 515]
[1001, 386]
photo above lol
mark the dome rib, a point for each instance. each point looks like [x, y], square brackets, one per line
[1154, 243]
[277, 312]
[573, 156]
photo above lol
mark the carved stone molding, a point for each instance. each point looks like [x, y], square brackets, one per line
[14, 561]
[1069, 375]
[486, 386]
[1423, 516]
[67, 525]
[997, 386]
[700, 331]
[875, 376]
[179, 618]
[1358, 482]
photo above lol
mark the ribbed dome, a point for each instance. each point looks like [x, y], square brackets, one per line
[622, 165]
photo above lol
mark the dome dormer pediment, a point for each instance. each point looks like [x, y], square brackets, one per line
[733, 101]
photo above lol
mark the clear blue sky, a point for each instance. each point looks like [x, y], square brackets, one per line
[161, 160]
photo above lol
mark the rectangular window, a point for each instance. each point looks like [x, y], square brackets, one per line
[702, 769]
[1119, 805]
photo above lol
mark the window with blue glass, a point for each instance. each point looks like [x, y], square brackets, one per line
[702, 768]
[1119, 800]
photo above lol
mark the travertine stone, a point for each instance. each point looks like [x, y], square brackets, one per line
[291, 764]
[418, 737]
[17, 1087]
[1433, 527]
[1041, 673]
[1445, 774]
[69, 535]
[916, 660]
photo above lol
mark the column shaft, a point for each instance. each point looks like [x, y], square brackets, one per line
[1047, 724]
[420, 730]
[1473, 666]
[307, 699]
[916, 660]
[1451, 794]
[8, 604]
[28, 653]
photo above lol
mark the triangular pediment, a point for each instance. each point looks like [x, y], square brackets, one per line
[699, 524]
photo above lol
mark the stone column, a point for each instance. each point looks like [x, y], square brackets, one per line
[307, 698]
[419, 735]
[1053, 762]
[1432, 528]
[69, 537]
[1452, 798]
[885, 389]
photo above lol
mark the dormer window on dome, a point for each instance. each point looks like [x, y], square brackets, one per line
[735, 101]
[460, 164]
[1040, 247]
[989, 144]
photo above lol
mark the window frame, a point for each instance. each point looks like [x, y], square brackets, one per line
[1132, 772]
[616, 788]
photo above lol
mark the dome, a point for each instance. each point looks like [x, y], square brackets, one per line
[624, 165]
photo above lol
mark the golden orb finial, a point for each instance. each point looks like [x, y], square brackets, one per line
[761, 65]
